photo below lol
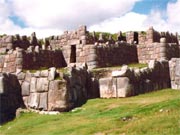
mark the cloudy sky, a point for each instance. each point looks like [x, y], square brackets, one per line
[52, 17]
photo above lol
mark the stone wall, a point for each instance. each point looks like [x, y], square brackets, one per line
[11, 42]
[130, 82]
[174, 65]
[151, 36]
[19, 59]
[157, 51]
[111, 55]
[76, 37]
[132, 37]
[101, 55]
[47, 90]
[10, 97]
[38, 58]
[11, 61]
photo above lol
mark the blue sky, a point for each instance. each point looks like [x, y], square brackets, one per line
[52, 17]
[145, 6]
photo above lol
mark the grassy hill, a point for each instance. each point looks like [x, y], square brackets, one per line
[156, 113]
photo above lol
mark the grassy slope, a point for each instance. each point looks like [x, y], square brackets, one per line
[152, 113]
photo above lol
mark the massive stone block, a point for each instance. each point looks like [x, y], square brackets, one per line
[124, 88]
[33, 84]
[42, 84]
[33, 100]
[25, 88]
[174, 65]
[58, 96]
[107, 87]
[43, 103]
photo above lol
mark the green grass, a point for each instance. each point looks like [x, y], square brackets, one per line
[133, 65]
[156, 113]
[35, 70]
[106, 71]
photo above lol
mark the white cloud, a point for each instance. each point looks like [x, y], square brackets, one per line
[128, 22]
[173, 13]
[168, 20]
[69, 13]
[155, 19]
[51, 17]
[6, 25]
[40, 33]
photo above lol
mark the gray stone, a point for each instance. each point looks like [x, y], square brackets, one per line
[1, 84]
[57, 100]
[25, 88]
[101, 37]
[118, 73]
[9, 39]
[43, 101]
[44, 73]
[21, 76]
[28, 76]
[56, 85]
[9, 46]
[18, 71]
[19, 61]
[91, 57]
[42, 84]
[152, 64]
[124, 88]
[177, 68]
[107, 88]
[52, 73]
[162, 40]
[125, 71]
[19, 54]
[25, 99]
[37, 49]
[33, 100]
[33, 84]
[37, 74]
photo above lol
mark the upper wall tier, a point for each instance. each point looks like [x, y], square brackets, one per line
[11, 42]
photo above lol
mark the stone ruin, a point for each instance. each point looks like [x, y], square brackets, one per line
[31, 74]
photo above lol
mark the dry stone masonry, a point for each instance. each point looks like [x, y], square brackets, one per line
[30, 74]
[174, 65]
[47, 90]
[157, 46]
[129, 82]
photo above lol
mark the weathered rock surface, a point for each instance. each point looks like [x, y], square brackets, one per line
[174, 65]
[129, 82]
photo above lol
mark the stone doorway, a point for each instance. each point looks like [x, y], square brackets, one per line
[73, 54]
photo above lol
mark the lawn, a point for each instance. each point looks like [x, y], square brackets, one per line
[156, 113]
